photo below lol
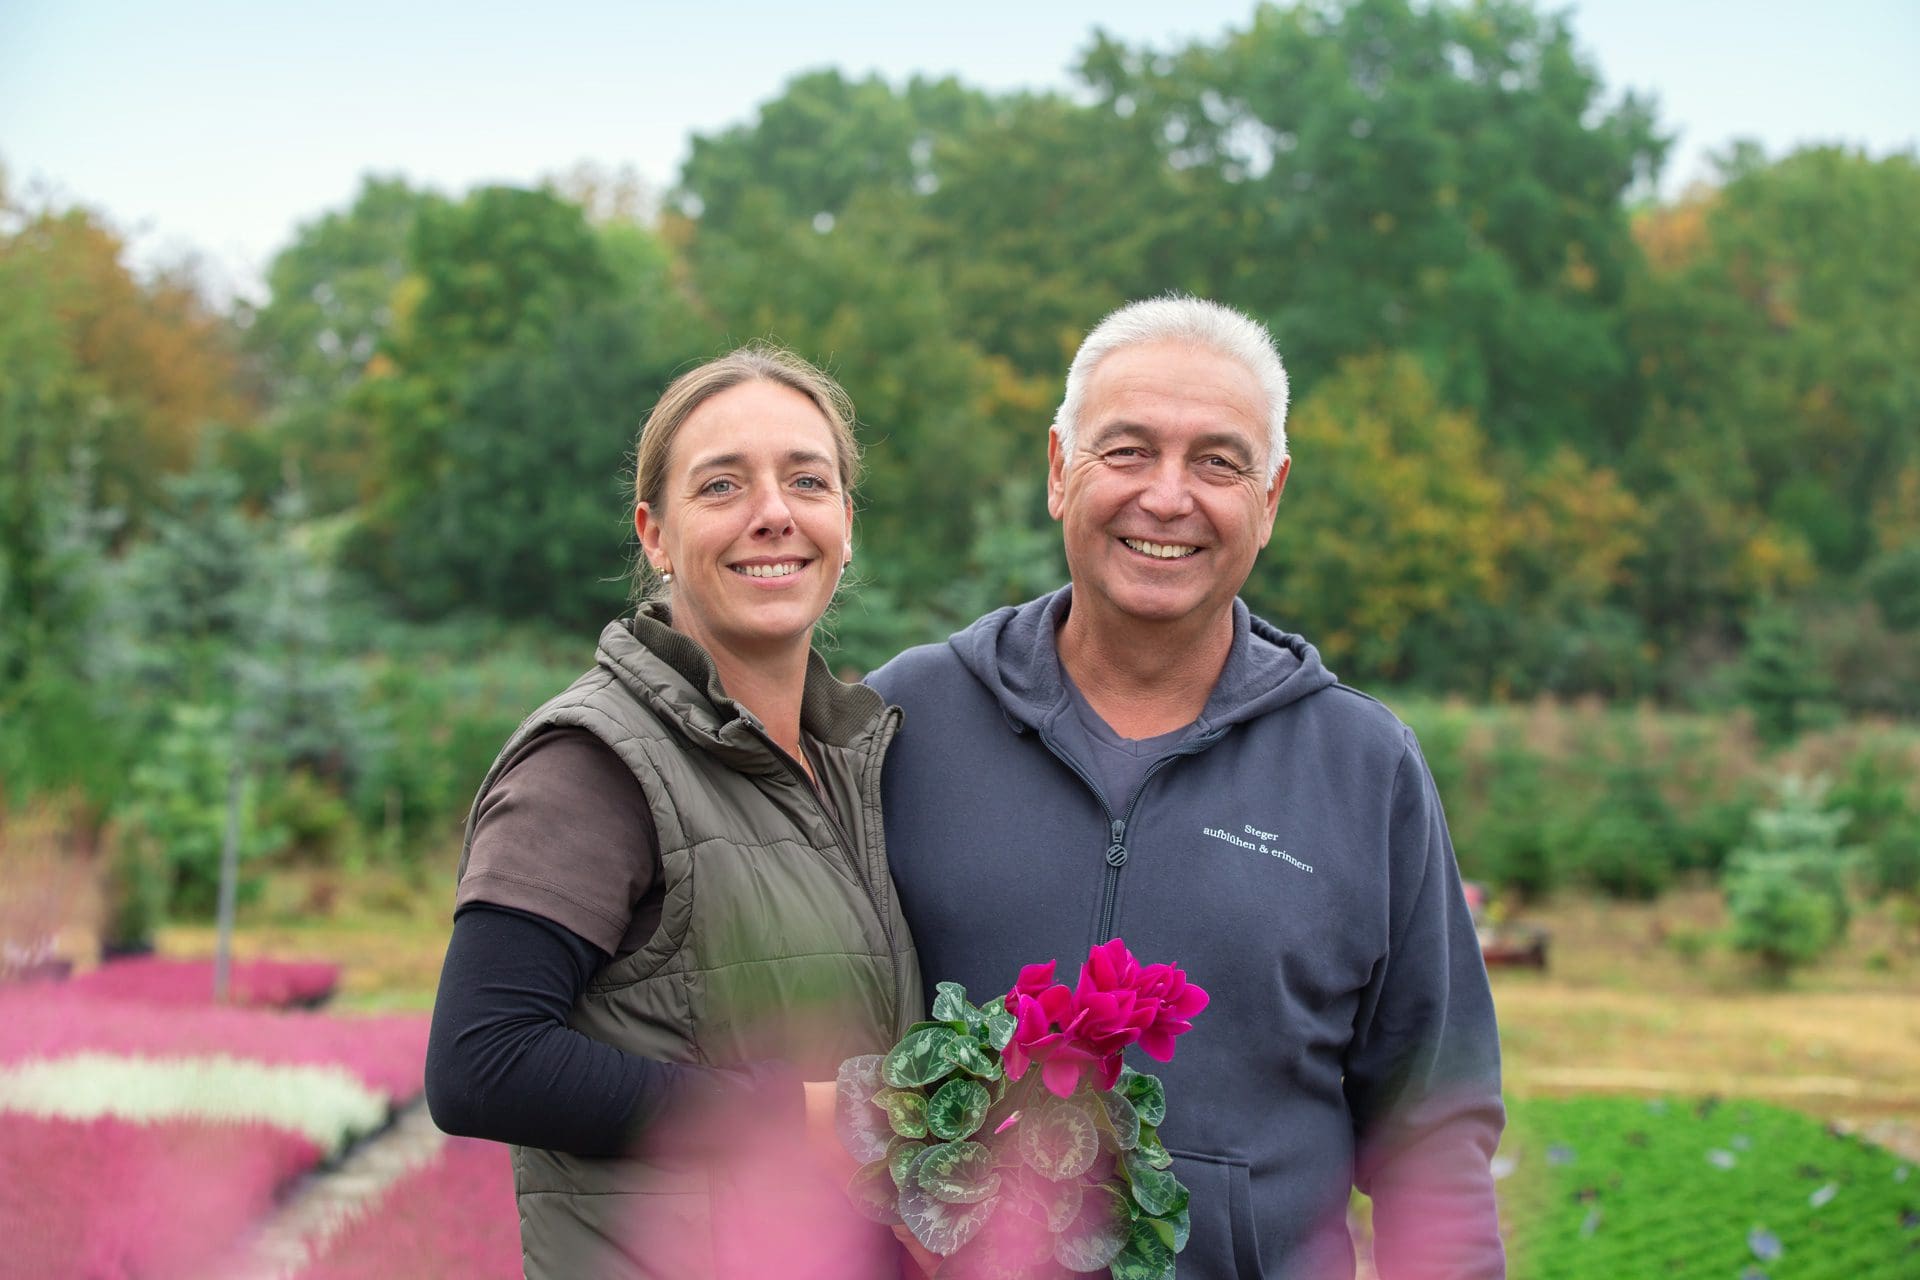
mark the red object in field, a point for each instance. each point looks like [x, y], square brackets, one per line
[114, 1198]
[453, 1216]
[1504, 944]
[276, 984]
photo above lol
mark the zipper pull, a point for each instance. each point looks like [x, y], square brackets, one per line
[1117, 850]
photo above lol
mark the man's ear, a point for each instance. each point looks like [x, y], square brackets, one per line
[1273, 496]
[1056, 475]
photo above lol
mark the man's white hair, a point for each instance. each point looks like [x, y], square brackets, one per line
[1181, 318]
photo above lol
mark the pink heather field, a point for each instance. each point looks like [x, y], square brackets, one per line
[277, 984]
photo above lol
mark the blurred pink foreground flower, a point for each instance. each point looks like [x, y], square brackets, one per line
[1117, 1002]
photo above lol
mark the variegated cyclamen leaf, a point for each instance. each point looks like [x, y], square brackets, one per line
[1146, 1093]
[1174, 1228]
[873, 1193]
[1156, 1191]
[1097, 1233]
[966, 1053]
[1122, 1119]
[956, 1109]
[957, 1172]
[1151, 1149]
[1058, 1202]
[941, 1227]
[950, 1004]
[1146, 1255]
[906, 1111]
[920, 1059]
[901, 1158]
[1058, 1139]
[999, 1023]
[861, 1126]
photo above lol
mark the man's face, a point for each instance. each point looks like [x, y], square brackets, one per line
[1165, 502]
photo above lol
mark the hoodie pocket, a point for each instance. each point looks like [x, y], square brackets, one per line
[1224, 1244]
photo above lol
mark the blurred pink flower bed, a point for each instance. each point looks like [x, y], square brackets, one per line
[386, 1052]
[108, 1198]
[453, 1216]
[277, 984]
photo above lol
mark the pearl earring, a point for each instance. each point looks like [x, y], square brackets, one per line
[666, 576]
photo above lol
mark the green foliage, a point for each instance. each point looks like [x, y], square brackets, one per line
[1608, 1187]
[1629, 844]
[1882, 819]
[176, 808]
[1786, 692]
[1892, 579]
[1441, 179]
[1786, 890]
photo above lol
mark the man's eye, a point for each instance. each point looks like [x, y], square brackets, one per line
[811, 483]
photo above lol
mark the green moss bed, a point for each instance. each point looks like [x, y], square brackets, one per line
[1611, 1188]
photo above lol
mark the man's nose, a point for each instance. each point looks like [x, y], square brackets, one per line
[1168, 494]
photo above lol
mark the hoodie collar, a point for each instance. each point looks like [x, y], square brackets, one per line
[1014, 652]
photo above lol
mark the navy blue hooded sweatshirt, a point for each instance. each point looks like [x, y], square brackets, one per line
[1290, 855]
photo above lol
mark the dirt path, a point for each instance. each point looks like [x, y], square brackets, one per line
[325, 1201]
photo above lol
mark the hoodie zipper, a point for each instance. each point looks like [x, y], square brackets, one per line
[1117, 827]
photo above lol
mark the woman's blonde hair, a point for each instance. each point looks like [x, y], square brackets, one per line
[755, 362]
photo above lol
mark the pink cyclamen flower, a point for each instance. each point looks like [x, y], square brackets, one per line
[1175, 1002]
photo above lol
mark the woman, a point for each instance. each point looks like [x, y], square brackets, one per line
[673, 904]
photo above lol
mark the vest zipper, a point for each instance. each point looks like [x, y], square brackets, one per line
[847, 849]
[1117, 827]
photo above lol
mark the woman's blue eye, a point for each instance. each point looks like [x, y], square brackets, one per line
[717, 486]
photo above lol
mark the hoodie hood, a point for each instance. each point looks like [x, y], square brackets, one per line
[1013, 652]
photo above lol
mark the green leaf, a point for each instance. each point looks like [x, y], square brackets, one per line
[1157, 1190]
[920, 1059]
[1058, 1138]
[1151, 1149]
[1000, 1024]
[1057, 1202]
[943, 1228]
[1097, 1233]
[1147, 1255]
[957, 1108]
[966, 1053]
[901, 1156]
[1146, 1093]
[957, 1173]
[1174, 1228]
[950, 1004]
[1122, 1119]
[872, 1191]
[906, 1111]
[861, 1126]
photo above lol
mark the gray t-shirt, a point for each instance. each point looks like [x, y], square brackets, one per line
[1119, 764]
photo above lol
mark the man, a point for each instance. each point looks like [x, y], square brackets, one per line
[1137, 756]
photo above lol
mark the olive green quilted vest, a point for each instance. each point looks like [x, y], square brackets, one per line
[781, 937]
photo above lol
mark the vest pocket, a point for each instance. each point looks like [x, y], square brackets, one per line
[1224, 1244]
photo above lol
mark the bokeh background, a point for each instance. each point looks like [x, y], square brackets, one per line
[325, 332]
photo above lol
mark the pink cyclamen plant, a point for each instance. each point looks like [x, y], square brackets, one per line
[1117, 1002]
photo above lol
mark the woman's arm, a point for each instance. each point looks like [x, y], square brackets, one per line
[502, 1063]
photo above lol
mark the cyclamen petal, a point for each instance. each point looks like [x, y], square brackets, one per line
[1061, 1075]
[1034, 979]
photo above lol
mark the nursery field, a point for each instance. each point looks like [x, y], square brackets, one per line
[1667, 1116]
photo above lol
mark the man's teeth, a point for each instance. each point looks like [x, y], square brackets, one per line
[768, 570]
[1161, 550]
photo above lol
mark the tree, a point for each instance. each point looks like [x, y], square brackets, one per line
[1780, 326]
[503, 271]
[1441, 179]
[1786, 889]
[331, 304]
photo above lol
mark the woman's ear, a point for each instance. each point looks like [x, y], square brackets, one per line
[649, 530]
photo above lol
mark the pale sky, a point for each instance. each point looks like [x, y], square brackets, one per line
[214, 127]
